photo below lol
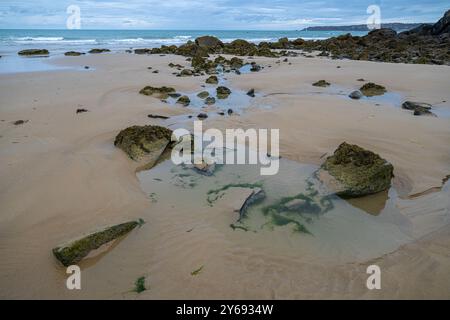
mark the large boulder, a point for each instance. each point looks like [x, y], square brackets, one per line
[144, 144]
[355, 172]
[74, 251]
[210, 43]
[33, 52]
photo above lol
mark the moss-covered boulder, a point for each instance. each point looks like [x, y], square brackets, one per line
[355, 172]
[240, 47]
[321, 83]
[33, 52]
[223, 92]
[212, 80]
[371, 89]
[74, 251]
[209, 43]
[236, 63]
[99, 50]
[184, 100]
[159, 92]
[144, 144]
[73, 53]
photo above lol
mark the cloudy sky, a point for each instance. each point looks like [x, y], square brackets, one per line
[212, 14]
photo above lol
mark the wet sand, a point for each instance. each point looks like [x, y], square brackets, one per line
[61, 177]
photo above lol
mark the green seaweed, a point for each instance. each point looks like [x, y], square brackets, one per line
[280, 221]
[197, 271]
[228, 186]
[139, 285]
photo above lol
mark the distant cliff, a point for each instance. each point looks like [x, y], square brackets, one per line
[362, 27]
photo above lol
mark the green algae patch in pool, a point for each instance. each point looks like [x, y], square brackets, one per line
[295, 217]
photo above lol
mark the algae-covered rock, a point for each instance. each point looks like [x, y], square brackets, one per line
[209, 43]
[74, 251]
[184, 100]
[73, 53]
[210, 101]
[255, 67]
[371, 89]
[144, 143]
[212, 80]
[321, 83]
[418, 108]
[99, 50]
[203, 94]
[186, 73]
[223, 92]
[33, 52]
[355, 172]
[160, 92]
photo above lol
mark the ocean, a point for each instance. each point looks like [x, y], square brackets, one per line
[60, 41]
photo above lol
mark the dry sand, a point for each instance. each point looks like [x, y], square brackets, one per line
[61, 177]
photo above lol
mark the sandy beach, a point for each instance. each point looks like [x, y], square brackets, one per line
[61, 176]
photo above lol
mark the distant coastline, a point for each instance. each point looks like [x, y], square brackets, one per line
[362, 27]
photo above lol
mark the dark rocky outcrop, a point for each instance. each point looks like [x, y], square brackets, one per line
[73, 53]
[355, 172]
[74, 251]
[99, 50]
[34, 52]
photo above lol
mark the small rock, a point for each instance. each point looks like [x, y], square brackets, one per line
[321, 83]
[203, 94]
[230, 111]
[184, 100]
[210, 101]
[202, 116]
[19, 122]
[82, 110]
[356, 95]
[371, 89]
[155, 116]
[223, 92]
[251, 93]
[212, 80]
